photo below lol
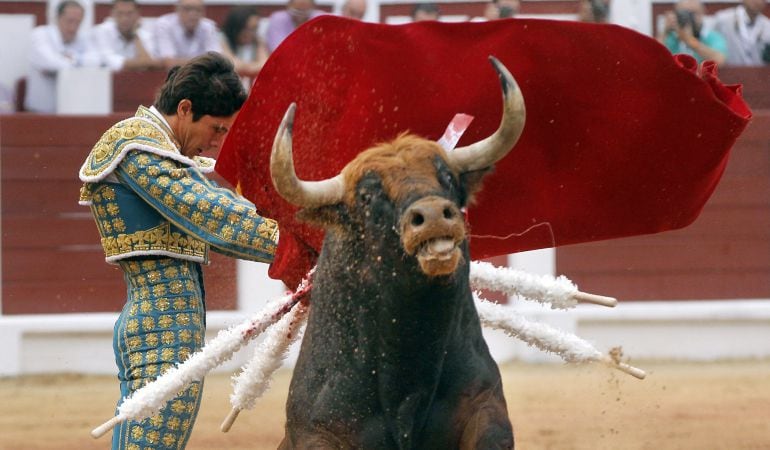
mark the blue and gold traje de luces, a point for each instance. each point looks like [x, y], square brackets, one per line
[149, 199]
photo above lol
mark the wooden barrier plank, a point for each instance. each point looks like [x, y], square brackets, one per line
[743, 191]
[56, 163]
[39, 130]
[69, 296]
[38, 232]
[717, 284]
[760, 121]
[133, 88]
[727, 225]
[636, 257]
[729, 222]
[754, 81]
[44, 197]
[55, 265]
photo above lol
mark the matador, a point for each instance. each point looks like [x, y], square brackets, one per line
[158, 217]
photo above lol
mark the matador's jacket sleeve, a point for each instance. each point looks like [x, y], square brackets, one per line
[149, 199]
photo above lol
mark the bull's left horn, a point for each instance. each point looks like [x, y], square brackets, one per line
[308, 194]
[488, 151]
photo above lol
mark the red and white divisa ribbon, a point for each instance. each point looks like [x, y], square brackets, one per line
[448, 141]
[454, 131]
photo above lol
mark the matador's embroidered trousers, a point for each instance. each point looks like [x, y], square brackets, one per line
[162, 323]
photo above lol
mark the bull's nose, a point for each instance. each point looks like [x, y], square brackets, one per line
[431, 230]
[429, 212]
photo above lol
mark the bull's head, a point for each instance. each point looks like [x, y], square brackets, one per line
[425, 186]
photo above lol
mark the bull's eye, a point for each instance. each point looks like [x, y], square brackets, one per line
[448, 213]
[417, 219]
[365, 197]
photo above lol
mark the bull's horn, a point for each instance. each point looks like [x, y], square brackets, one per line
[488, 151]
[292, 189]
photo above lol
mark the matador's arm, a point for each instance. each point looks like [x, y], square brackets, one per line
[185, 197]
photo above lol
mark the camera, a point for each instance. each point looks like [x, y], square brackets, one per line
[687, 18]
[505, 12]
[600, 10]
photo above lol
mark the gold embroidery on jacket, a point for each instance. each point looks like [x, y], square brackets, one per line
[158, 238]
[114, 140]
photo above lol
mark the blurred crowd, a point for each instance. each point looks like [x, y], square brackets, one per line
[738, 36]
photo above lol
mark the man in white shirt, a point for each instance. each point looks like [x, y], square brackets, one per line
[747, 32]
[55, 47]
[186, 33]
[122, 42]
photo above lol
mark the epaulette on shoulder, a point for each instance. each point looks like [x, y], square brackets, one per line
[134, 133]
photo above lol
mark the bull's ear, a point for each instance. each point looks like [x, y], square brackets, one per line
[472, 182]
[322, 216]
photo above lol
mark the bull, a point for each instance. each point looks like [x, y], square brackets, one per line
[393, 355]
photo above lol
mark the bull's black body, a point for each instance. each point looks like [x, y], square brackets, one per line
[392, 358]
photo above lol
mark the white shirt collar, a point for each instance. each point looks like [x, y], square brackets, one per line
[159, 115]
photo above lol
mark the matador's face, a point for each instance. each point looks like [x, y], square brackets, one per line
[204, 135]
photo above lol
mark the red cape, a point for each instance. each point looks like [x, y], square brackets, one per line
[621, 138]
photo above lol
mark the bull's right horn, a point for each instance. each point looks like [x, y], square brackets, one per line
[305, 194]
[487, 152]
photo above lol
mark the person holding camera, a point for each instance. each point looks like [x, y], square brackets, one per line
[425, 12]
[684, 32]
[501, 9]
[594, 11]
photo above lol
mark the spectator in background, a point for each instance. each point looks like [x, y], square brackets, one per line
[121, 42]
[185, 34]
[353, 9]
[241, 43]
[282, 23]
[501, 9]
[55, 47]
[594, 11]
[425, 11]
[747, 32]
[684, 32]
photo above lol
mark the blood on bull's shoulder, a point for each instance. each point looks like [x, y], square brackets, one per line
[393, 355]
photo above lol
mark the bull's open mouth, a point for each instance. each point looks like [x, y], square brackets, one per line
[438, 256]
[437, 248]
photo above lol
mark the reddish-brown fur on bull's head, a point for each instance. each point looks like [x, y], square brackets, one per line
[405, 166]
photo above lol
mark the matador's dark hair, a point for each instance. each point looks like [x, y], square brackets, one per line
[210, 83]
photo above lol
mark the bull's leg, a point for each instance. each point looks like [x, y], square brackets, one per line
[488, 427]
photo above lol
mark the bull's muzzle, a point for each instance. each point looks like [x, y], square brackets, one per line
[432, 230]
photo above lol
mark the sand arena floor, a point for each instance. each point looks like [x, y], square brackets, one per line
[679, 406]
